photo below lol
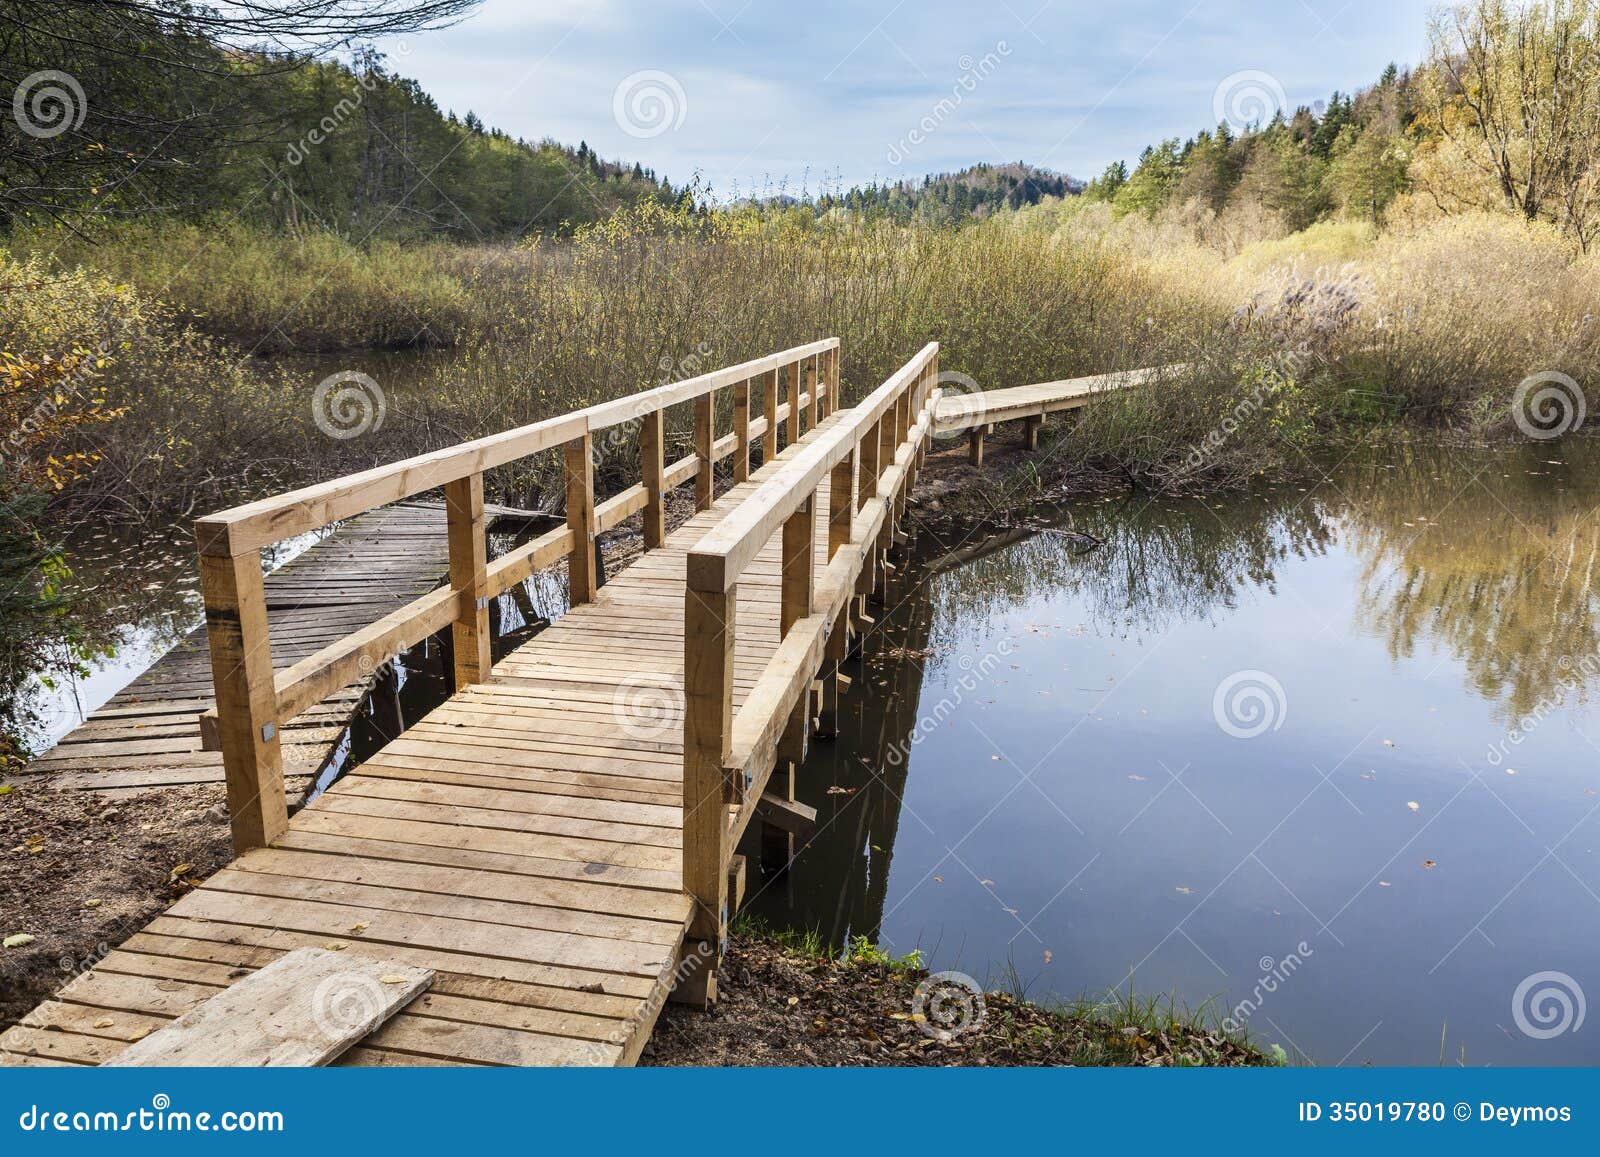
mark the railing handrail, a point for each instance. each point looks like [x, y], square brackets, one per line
[271, 520]
[716, 561]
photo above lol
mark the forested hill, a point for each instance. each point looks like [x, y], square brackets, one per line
[973, 192]
[129, 109]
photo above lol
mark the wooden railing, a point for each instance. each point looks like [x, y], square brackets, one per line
[253, 702]
[869, 457]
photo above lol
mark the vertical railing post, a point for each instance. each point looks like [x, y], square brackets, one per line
[793, 432]
[841, 523]
[705, 438]
[741, 430]
[797, 597]
[769, 407]
[833, 380]
[469, 578]
[582, 575]
[652, 465]
[814, 406]
[247, 697]
[709, 618]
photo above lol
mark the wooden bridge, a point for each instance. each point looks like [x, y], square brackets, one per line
[557, 843]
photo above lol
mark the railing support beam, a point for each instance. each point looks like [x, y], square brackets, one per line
[247, 699]
[469, 578]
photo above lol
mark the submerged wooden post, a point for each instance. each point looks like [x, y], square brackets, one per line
[708, 642]
[705, 438]
[469, 578]
[741, 430]
[769, 407]
[582, 571]
[247, 697]
[652, 464]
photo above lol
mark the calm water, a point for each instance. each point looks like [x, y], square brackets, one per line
[1355, 837]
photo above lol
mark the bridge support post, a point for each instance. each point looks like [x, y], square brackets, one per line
[975, 446]
[469, 578]
[582, 568]
[741, 432]
[705, 440]
[247, 697]
[709, 617]
[652, 465]
[1030, 432]
[769, 407]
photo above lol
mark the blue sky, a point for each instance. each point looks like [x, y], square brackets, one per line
[755, 94]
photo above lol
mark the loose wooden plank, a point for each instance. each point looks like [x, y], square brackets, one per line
[301, 1010]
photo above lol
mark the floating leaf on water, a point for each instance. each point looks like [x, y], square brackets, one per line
[1383, 883]
[1136, 777]
[1413, 805]
[1430, 863]
[1185, 891]
[938, 879]
[1048, 956]
[1388, 743]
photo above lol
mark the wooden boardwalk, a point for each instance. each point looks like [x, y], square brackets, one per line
[558, 842]
[523, 840]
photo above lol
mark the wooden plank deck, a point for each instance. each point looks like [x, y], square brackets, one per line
[523, 841]
[148, 735]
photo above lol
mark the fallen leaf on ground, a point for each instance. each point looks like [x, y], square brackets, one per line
[391, 978]
[17, 940]
[336, 946]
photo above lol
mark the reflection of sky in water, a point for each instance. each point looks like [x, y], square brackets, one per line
[1082, 815]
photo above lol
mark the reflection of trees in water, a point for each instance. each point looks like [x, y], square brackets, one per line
[1161, 563]
[1493, 555]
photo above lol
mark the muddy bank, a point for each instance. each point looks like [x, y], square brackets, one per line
[780, 1004]
[84, 872]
